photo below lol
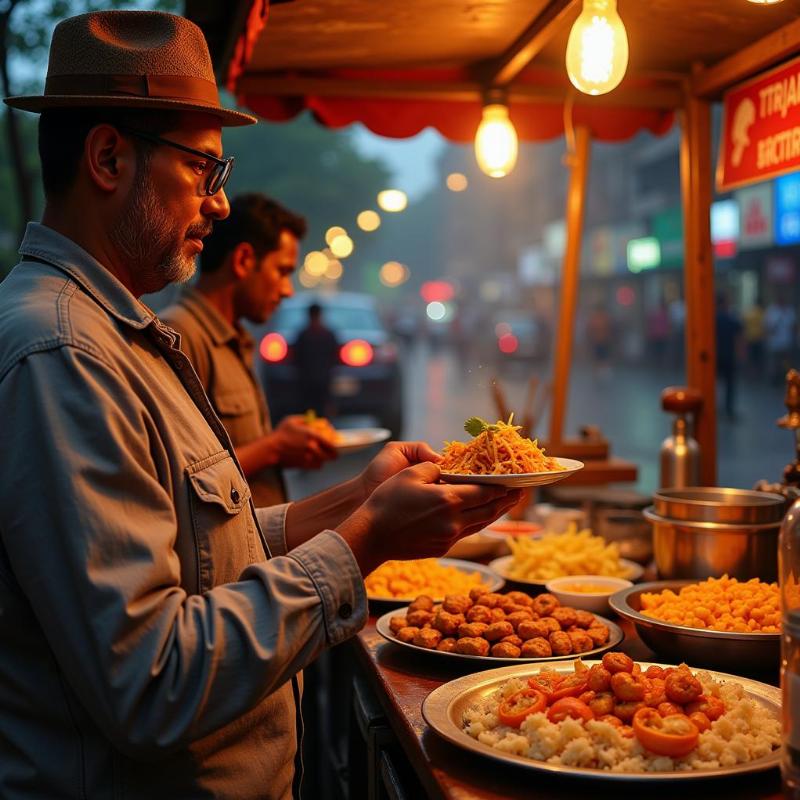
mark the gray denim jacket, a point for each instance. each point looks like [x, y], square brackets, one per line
[147, 645]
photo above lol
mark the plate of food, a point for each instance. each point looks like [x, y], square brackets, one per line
[401, 582]
[688, 723]
[346, 440]
[493, 628]
[499, 455]
[536, 560]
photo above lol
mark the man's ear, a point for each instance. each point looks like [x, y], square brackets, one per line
[243, 260]
[110, 158]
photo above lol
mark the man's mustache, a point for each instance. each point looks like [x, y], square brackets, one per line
[199, 231]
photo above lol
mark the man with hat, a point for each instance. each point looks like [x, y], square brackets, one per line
[148, 611]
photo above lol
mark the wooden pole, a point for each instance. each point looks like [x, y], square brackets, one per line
[700, 331]
[576, 201]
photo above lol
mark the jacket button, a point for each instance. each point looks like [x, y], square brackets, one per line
[235, 495]
[345, 611]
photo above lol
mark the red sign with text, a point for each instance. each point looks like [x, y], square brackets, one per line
[761, 128]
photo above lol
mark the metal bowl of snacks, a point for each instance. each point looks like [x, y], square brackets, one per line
[705, 531]
[702, 647]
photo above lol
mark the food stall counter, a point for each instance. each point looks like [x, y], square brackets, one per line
[401, 680]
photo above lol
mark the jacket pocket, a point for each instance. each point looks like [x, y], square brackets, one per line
[224, 530]
[239, 412]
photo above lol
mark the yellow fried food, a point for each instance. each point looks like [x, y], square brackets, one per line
[719, 604]
[322, 427]
[557, 554]
[421, 576]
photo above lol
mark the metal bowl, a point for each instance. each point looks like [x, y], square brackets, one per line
[713, 504]
[737, 651]
[712, 549]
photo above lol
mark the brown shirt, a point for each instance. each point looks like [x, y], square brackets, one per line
[222, 357]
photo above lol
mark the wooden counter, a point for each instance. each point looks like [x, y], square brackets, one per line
[401, 680]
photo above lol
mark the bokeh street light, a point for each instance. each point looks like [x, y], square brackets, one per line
[392, 200]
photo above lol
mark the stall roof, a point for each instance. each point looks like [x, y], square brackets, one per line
[401, 65]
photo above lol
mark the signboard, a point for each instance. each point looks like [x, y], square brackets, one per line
[667, 227]
[601, 251]
[644, 253]
[787, 209]
[724, 228]
[755, 216]
[761, 128]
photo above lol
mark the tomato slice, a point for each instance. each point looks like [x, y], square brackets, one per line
[675, 735]
[569, 707]
[709, 705]
[513, 710]
[571, 686]
[545, 683]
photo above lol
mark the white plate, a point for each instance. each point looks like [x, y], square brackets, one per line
[444, 709]
[492, 580]
[502, 565]
[615, 636]
[571, 466]
[354, 439]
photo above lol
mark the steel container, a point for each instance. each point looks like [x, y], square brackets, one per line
[696, 646]
[704, 532]
[713, 504]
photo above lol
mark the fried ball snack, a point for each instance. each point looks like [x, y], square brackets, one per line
[472, 646]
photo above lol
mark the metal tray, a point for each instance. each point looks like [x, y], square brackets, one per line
[443, 709]
[491, 579]
[615, 636]
[746, 651]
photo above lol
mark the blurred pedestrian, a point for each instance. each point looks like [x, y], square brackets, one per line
[729, 333]
[780, 322]
[316, 352]
[246, 269]
[658, 329]
[677, 324]
[599, 335]
[754, 334]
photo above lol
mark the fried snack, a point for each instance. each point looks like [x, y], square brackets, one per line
[497, 449]
[719, 604]
[421, 576]
[483, 629]
[557, 554]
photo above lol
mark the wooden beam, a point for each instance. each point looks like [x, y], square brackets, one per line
[293, 85]
[576, 202]
[771, 49]
[700, 331]
[502, 70]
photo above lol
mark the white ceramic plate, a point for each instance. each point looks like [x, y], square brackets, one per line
[521, 481]
[502, 565]
[353, 439]
[490, 578]
[444, 709]
[615, 636]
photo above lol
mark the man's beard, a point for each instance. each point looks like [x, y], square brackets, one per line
[150, 243]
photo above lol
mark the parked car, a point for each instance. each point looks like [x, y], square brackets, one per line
[515, 336]
[366, 381]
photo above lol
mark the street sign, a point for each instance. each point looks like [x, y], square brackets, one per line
[761, 128]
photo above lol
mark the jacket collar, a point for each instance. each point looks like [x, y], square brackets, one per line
[220, 330]
[45, 244]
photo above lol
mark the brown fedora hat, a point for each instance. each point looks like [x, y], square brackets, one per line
[131, 59]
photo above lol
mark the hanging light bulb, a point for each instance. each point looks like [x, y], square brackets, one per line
[597, 50]
[496, 141]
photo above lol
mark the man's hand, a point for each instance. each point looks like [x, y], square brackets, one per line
[393, 458]
[298, 445]
[409, 515]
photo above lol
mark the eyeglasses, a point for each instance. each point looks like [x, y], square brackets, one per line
[219, 173]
